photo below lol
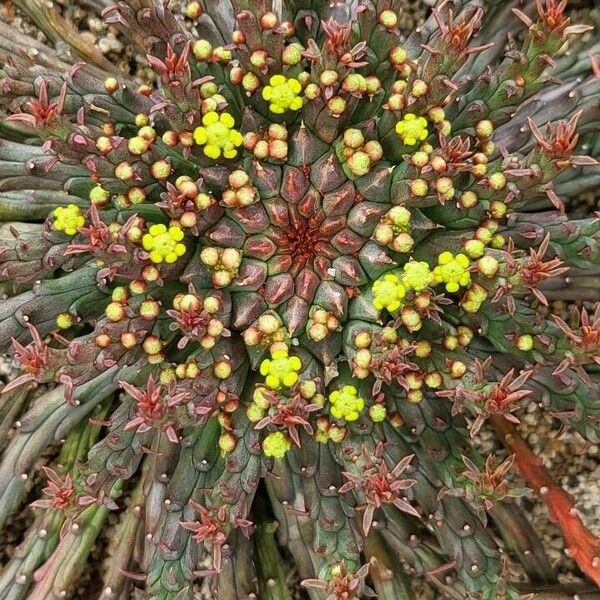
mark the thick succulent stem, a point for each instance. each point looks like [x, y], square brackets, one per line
[47, 422]
[58, 29]
[581, 544]
[521, 540]
[238, 577]
[272, 578]
[60, 572]
[11, 405]
[575, 288]
[126, 535]
[45, 533]
[559, 592]
[389, 580]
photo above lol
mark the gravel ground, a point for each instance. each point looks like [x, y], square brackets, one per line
[575, 463]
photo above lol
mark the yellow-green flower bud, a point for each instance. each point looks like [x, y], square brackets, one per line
[388, 18]
[346, 403]
[359, 163]
[255, 413]
[412, 129]
[388, 292]
[416, 276]
[474, 248]
[65, 320]
[524, 342]
[280, 370]
[163, 244]
[378, 413]
[488, 266]
[68, 219]
[453, 271]
[99, 196]
[419, 188]
[283, 94]
[276, 444]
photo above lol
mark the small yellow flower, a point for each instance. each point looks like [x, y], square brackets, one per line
[417, 275]
[68, 218]
[388, 292]
[283, 94]
[65, 320]
[281, 370]
[412, 129]
[346, 403]
[276, 444]
[163, 244]
[378, 413]
[453, 271]
[218, 136]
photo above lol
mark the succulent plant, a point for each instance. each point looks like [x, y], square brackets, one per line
[288, 281]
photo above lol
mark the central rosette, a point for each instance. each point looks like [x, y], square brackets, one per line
[302, 248]
[303, 244]
[304, 238]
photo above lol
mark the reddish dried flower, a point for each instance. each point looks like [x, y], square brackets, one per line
[552, 14]
[456, 151]
[390, 364]
[379, 484]
[560, 140]
[457, 33]
[96, 233]
[42, 111]
[535, 270]
[175, 67]
[490, 482]
[60, 491]
[585, 340]
[343, 584]
[288, 413]
[33, 358]
[214, 526]
[155, 407]
[486, 399]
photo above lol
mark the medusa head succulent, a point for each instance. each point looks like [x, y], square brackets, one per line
[289, 281]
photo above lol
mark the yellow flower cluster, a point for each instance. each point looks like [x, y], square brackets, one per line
[283, 94]
[390, 289]
[68, 218]
[388, 292]
[412, 129]
[276, 444]
[163, 244]
[281, 370]
[346, 403]
[453, 271]
[416, 275]
[218, 136]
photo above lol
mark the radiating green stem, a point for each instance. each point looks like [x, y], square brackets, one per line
[521, 539]
[11, 405]
[272, 583]
[574, 289]
[565, 592]
[47, 18]
[121, 547]
[57, 576]
[237, 578]
[387, 575]
[44, 534]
